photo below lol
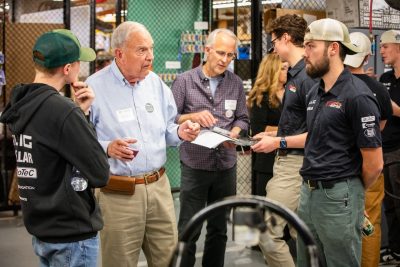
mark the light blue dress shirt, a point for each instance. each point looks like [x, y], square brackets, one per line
[145, 111]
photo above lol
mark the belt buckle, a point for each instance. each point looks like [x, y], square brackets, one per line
[145, 179]
[310, 186]
[156, 173]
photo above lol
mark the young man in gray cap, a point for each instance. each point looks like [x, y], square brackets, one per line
[52, 138]
[390, 52]
[343, 154]
[374, 194]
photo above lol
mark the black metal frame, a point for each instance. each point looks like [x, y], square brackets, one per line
[3, 173]
[206, 10]
[119, 17]
[256, 37]
[92, 40]
[256, 31]
[315, 258]
[67, 14]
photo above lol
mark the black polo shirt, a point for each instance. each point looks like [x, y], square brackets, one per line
[339, 122]
[381, 94]
[293, 117]
[391, 133]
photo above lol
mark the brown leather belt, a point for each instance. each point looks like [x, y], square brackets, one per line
[147, 178]
[290, 151]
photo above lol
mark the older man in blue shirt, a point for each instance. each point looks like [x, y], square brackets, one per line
[134, 114]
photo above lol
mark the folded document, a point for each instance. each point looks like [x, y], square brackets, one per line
[213, 138]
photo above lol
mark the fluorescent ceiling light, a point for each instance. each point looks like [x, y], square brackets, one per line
[228, 4]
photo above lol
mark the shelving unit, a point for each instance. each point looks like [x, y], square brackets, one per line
[190, 43]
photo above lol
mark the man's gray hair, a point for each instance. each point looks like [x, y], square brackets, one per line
[213, 35]
[123, 31]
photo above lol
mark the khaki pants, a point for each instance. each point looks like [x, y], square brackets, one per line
[373, 204]
[285, 188]
[145, 220]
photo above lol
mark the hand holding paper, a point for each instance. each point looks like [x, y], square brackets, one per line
[213, 138]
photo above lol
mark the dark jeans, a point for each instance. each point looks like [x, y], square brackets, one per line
[392, 206]
[200, 188]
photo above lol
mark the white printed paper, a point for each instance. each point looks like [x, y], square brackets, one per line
[210, 139]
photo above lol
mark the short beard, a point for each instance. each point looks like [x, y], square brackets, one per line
[320, 68]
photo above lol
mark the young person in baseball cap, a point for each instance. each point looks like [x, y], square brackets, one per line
[59, 159]
[343, 153]
[390, 52]
[287, 33]
[374, 194]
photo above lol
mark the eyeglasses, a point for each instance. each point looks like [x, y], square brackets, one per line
[222, 54]
[273, 43]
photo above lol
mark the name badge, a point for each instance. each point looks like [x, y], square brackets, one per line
[230, 104]
[125, 115]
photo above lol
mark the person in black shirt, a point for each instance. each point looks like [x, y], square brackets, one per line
[343, 153]
[390, 51]
[375, 193]
[287, 33]
[264, 102]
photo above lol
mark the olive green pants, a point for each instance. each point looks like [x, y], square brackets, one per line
[335, 218]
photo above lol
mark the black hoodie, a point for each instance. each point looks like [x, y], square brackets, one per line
[51, 135]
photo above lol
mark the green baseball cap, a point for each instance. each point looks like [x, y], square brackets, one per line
[59, 47]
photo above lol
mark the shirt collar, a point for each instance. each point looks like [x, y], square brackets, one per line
[391, 72]
[297, 68]
[340, 83]
[199, 71]
[118, 74]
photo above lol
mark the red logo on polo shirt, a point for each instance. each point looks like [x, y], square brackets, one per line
[292, 88]
[334, 104]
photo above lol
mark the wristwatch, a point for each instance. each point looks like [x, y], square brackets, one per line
[283, 143]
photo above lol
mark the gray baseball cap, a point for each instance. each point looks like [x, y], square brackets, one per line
[330, 30]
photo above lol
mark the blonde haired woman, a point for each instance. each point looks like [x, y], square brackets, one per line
[264, 102]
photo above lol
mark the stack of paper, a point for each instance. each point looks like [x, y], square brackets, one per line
[211, 139]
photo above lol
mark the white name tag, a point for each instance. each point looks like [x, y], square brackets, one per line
[230, 104]
[125, 115]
